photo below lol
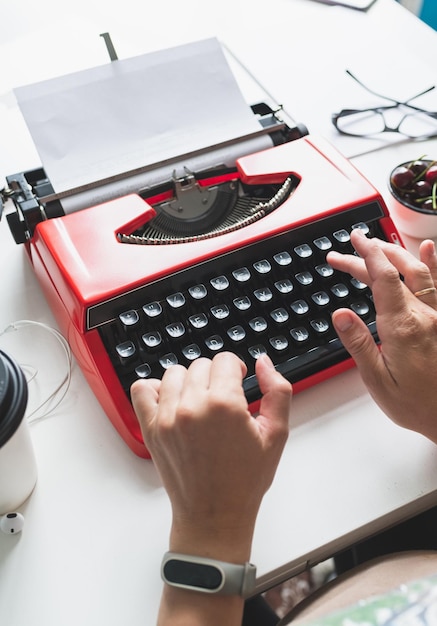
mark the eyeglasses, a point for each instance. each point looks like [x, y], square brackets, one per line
[415, 122]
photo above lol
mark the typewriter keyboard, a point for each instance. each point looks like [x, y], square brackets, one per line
[275, 296]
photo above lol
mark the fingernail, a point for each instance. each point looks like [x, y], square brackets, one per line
[267, 360]
[343, 322]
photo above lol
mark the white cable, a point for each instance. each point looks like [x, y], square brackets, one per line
[62, 388]
[29, 371]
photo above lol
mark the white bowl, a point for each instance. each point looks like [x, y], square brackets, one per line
[411, 220]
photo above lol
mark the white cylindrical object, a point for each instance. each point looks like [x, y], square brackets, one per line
[18, 469]
[414, 223]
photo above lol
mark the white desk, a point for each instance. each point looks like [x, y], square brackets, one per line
[97, 522]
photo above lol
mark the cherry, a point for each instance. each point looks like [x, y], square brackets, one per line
[431, 174]
[418, 167]
[415, 183]
[402, 177]
[422, 188]
[427, 204]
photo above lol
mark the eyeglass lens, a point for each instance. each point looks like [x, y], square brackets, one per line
[373, 122]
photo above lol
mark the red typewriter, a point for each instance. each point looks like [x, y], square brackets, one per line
[224, 258]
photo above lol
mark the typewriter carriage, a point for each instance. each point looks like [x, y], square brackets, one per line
[35, 200]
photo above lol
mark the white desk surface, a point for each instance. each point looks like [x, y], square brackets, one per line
[97, 523]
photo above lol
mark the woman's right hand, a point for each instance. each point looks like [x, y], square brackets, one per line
[399, 374]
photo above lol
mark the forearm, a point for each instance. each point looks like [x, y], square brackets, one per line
[190, 608]
[216, 462]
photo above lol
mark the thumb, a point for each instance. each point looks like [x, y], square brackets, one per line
[356, 338]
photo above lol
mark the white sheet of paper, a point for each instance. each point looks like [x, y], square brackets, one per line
[127, 114]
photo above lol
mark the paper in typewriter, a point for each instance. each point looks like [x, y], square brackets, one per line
[93, 125]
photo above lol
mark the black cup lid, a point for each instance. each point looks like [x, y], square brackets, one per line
[13, 397]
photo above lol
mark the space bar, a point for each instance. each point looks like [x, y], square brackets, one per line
[300, 366]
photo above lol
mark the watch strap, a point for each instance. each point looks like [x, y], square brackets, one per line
[208, 575]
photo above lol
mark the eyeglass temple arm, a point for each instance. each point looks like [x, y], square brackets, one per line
[375, 93]
[432, 114]
[420, 94]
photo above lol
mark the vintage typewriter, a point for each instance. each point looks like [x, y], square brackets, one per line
[229, 257]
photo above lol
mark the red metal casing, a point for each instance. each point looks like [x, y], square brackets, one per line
[80, 262]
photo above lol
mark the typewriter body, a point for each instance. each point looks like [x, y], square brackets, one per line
[226, 258]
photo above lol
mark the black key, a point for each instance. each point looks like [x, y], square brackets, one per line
[279, 343]
[152, 309]
[280, 316]
[258, 324]
[263, 295]
[262, 267]
[236, 333]
[323, 243]
[340, 290]
[360, 308]
[300, 334]
[214, 343]
[125, 351]
[320, 326]
[167, 360]
[320, 298]
[256, 351]
[303, 251]
[220, 311]
[242, 303]
[152, 339]
[358, 284]
[198, 321]
[191, 352]
[283, 258]
[220, 283]
[143, 371]
[176, 300]
[175, 330]
[305, 278]
[362, 226]
[129, 318]
[324, 270]
[300, 307]
[242, 275]
[342, 236]
[284, 286]
[198, 292]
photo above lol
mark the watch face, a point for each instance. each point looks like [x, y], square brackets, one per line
[193, 574]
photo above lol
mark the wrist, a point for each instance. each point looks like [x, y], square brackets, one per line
[232, 544]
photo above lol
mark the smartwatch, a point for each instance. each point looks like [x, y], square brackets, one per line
[208, 575]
